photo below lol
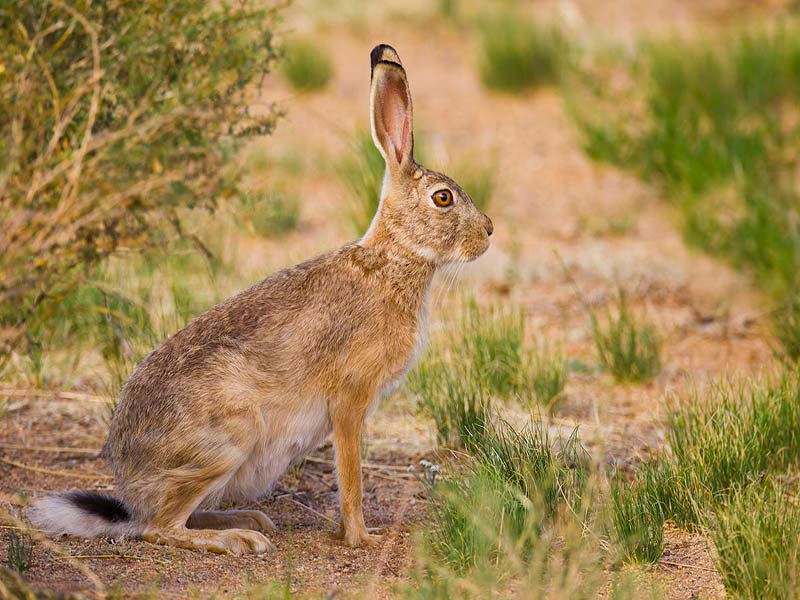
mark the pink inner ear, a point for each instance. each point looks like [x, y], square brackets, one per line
[395, 117]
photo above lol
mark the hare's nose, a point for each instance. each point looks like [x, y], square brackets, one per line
[488, 225]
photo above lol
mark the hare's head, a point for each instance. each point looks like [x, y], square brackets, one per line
[421, 211]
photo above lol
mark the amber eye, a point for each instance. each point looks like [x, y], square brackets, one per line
[442, 198]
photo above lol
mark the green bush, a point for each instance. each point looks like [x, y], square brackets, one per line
[113, 117]
[517, 54]
[306, 67]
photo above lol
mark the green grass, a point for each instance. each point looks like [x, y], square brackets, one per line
[514, 519]
[637, 521]
[270, 214]
[306, 66]
[20, 551]
[712, 121]
[729, 455]
[483, 357]
[458, 405]
[548, 377]
[491, 347]
[787, 329]
[734, 438]
[517, 54]
[756, 536]
[629, 348]
[513, 484]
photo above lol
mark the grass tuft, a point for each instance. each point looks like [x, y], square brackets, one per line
[629, 349]
[491, 346]
[548, 377]
[20, 551]
[787, 329]
[517, 55]
[514, 484]
[744, 432]
[637, 521]
[458, 406]
[756, 536]
[306, 66]
[270, 214]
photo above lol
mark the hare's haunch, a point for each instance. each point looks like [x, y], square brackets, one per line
[223, 407]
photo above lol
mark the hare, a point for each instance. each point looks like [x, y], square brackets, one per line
[222, 408]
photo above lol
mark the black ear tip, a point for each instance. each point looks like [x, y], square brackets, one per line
[383, 52]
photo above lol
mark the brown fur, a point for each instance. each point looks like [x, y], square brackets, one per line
[221, 408]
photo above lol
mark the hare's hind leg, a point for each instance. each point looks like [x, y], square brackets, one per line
[182, 491]
[230, 519]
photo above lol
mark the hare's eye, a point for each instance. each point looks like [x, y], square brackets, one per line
[442, 198]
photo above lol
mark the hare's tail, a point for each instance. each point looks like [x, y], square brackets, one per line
[86, 514]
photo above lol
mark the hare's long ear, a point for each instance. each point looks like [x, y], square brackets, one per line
[390, 108]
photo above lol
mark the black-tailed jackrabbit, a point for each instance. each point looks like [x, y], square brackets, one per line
[220, 409]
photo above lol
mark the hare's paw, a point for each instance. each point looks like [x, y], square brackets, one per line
[245, 541]
[358, 537]
[225, 541]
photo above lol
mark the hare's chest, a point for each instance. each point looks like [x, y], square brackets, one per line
[415, 339]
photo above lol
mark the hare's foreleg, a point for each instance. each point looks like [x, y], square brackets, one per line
[348, 418]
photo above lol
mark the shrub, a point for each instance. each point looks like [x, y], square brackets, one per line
[306, 67]
[112, 118]
[517, 55]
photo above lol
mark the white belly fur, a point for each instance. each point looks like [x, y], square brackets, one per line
[283, 438]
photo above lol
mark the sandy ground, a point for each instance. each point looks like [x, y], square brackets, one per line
[549, 198]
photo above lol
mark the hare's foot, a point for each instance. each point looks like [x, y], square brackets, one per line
[224, 541]
[231, 519]
[356, 537]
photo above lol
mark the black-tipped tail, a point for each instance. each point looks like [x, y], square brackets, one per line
[84, 513]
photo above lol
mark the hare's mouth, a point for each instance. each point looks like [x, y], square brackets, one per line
[474, 250]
